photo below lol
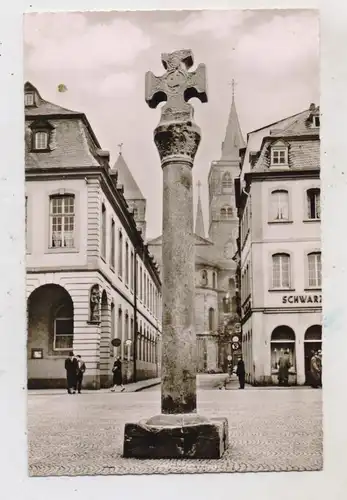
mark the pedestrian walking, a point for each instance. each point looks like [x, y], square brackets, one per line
[315, 371]
[283, 369]
[117, 375]
[241, 373]
[80, 372]
[71, 367]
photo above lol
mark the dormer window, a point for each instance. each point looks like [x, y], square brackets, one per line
[41, 141]
[42, 135]
[29, 99]
[279, 154]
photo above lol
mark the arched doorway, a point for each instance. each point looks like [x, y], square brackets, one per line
[105, 339]
[312, 343]
[282, 340]
[50, 335]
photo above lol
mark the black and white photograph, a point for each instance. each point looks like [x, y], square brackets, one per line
[173, 242]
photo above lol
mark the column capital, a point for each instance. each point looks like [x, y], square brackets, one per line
[177, 141]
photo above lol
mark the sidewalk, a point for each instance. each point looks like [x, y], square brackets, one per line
[233, 384]
[134, 387]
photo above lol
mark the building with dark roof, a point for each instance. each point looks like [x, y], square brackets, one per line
[279, 247]
[91, 280]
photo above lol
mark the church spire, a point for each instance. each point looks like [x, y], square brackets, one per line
[233, 141]
[199, 224]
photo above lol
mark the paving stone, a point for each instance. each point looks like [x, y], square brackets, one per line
[83, 435]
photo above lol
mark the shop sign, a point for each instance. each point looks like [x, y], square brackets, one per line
[302, 299]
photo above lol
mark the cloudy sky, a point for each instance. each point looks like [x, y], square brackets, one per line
[102, 58]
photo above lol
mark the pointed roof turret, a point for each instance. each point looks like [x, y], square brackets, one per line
[233, 141]
[199, 224]
[125, 177]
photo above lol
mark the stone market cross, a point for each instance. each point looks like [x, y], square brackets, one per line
[176, 86]
[179, 431]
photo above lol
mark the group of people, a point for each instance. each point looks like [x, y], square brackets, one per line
[75, 368]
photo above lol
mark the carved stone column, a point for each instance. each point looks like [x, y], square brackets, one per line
[179, 431]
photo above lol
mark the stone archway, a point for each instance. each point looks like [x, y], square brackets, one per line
[105, 342]
[50, 316]
[312, 343]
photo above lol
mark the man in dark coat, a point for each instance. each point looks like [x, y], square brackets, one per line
[315, 371]
[80, 372]
[283, 369]
[241, 373]
[71, 367]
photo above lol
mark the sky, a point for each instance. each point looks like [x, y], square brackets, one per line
[102, 58]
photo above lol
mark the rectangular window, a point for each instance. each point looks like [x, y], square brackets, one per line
[313, 203]
[127, 263]
[120, 254]
[281, 271]
[62, 221]
[29, 99]
[132, 270]
[144, 288]
[141, 284]
[279, 205]
[41, 140]
[63, 333]
[279, 157]
[103, 231]
[113, 244]
[314, 270]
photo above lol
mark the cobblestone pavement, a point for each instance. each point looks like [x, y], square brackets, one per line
[83, 434]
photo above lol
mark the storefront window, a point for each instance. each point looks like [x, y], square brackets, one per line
[282, 340]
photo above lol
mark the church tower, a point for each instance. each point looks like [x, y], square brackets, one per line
[132, 192]
[222, 208]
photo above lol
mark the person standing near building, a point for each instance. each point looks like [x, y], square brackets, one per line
[117, 375]
[283, 369]
[315, 371]
[241, 373]
[80, 372]
[71, 367]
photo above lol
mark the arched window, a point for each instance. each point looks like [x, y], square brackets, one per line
[62, 221]
[281, 270]
[211, 315]
[226, 212]
[314, 270]
[279, 205]
[63, 327]
[227, 183]
[313, 203]
[204, 277]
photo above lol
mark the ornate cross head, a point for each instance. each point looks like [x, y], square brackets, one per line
[176, 86]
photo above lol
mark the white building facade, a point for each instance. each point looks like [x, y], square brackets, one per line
[280, 248]
[90, 277]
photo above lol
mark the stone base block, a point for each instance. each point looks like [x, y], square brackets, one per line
[176, 436]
